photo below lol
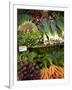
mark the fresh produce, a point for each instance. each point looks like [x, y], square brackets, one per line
[52, 27]
[49, 55]
[44, 73]
[42, 33]
[48, 60]
[36, 14]
[28, 71]
[24, 18]
[53, 72]
[56, 72]
[27, 67]
[28, 26]
[29, 39]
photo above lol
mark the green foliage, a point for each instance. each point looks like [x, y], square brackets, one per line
[44, 59]
[27, 55]
[29, 38]
[60, 25]
[24, 17]
[44, 26]
[31, 56]
[60, 21]
[53, 26]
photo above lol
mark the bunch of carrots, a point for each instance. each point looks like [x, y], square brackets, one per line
[53, 72]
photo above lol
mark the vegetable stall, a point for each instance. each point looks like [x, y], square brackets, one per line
[42, 33]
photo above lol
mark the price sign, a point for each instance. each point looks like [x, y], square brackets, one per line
[22, 48]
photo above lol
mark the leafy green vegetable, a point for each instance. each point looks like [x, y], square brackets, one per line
[24, 17]
[44, 26]
[52, 27]
[29, 38]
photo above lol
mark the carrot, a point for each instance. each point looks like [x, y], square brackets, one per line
[48, 73]
[62, 69]
[60, 74]
[52, 72]
[51, 69]
[44, 73]
[56, 72]
[59, 69]
[57, 75]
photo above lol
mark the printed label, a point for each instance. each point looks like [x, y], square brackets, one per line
[22, 48]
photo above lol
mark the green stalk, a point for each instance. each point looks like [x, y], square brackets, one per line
[50, 61]
[45, 64]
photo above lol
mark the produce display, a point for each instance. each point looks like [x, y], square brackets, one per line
[40, 44]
